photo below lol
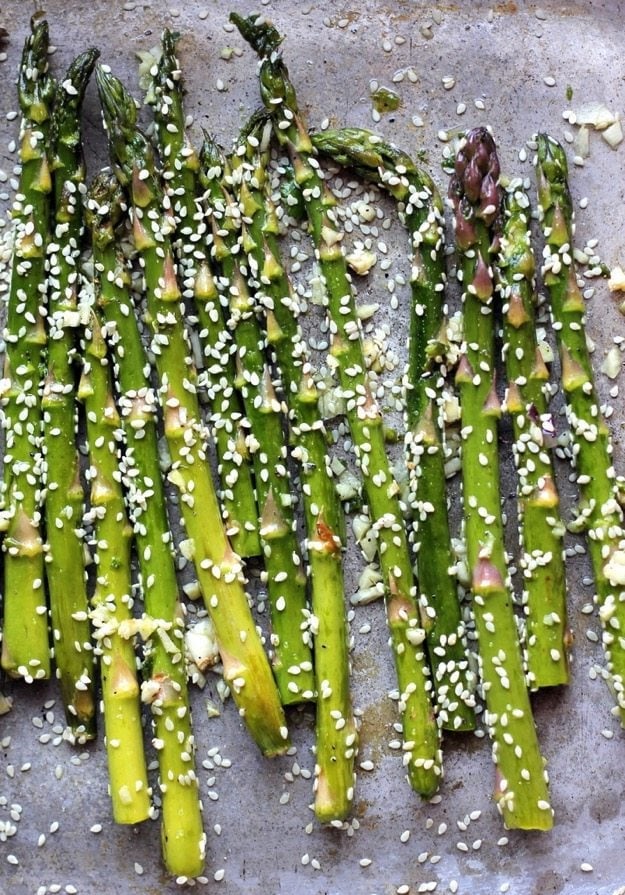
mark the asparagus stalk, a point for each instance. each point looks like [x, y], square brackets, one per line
[421, 210]
[111, 612]
[336, 732]
[600, 511]
[284, 571]
[164, 675]
[521, 792]
[540, 525]
[64, 504]
[219, 569]
[407, 624]
[180, 169]
[25, 647]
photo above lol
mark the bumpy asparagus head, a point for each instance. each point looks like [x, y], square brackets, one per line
[473, 188]
[35, 86]
[119, 110]
[68, 103]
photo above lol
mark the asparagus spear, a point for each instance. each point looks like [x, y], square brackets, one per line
[284, 571]
[600, 510]
[25, 647]
[540, 525]
[112, 600]
[421, 210]
[64, 504]
[180, 169]
[246, 667]
[336, 733]
[164, 675]
[521, 790]
[407, 625]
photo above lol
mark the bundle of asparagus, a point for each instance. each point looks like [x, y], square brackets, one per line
[521, 790]
[165, 682]
[600, 512]
[246, 668]
[230, 265]
[407, 624]
[284, 572]
[336, 735]
[422, 211]
[180, 172]
[540, 526]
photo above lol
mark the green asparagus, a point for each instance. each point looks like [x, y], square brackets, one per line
[111, 612]
[245, 664]
[284, 571]
[180, 169]
[600, 511]
[540, 525]
[64, 502]
[164, 674]
[421, 210]
[407, 625]
[25, 646]
[521, 792]
[336, 733]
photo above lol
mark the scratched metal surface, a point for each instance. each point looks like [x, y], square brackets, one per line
[499, 54]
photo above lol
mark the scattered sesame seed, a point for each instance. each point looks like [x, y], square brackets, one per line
[586, 867]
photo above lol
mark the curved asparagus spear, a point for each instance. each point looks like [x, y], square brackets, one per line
[112, 599]
[421, 210]
[540, 525]
[64, 504]
[219, 568]
[336, 733]
[521, 790]
[600, 510]
[25, 647]
[407, 625]
[180, 169]
[285, 576]
[164, 675]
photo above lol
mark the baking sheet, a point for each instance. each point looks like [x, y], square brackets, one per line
[261, 833]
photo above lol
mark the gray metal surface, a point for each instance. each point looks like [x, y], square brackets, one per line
[498, 55]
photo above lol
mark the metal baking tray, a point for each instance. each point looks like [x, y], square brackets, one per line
[512, 65]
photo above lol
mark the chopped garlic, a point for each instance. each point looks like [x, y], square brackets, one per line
[201, 645]
[613, 135]
[595, 115]
[582, 142]
[614, 569]
[361, 261]
[616, 283]
[611, 366]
